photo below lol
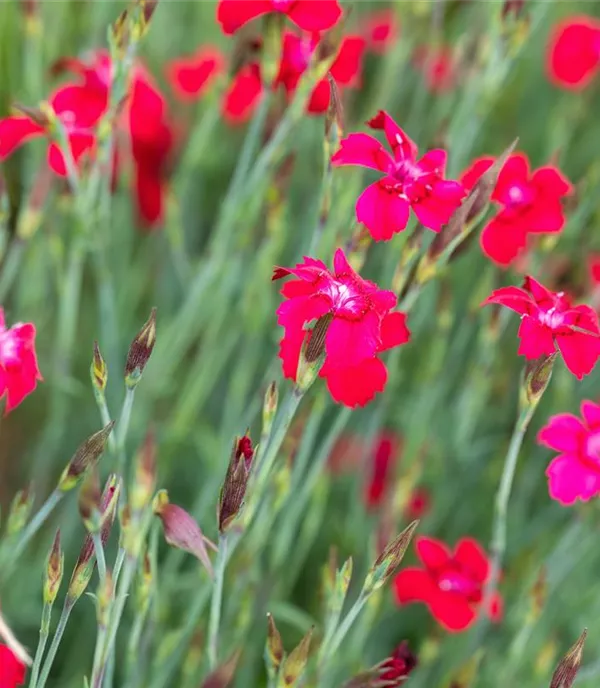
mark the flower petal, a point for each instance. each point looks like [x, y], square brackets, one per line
[318, 102]
[434, 161]
[516, 299]
[413, 585]
[149, 195]
[347, 65]
[15, 131]
[564, 433]
[191, 76]
[356, 385]
[433, 553]
[382, 211]
[472, 557]
[570, 480]
[394, 331]
[363, 150]
[313, 16]
[472, 174]
[536, 339]
[591, 414]
[503, 241]
[515, 170]
[551, 181]
[573, 58]
[579, 351]
[349, 342]
[243, 94]
[233, 14]
[452, 611]
[402, 146]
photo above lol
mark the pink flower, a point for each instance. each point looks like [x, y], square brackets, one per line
[309, 15]
[19, 372]
[380, 29]
[296, 55]
[573, 55]
[361, 326]
[548, 320]
[451, 584]
[575, 472]
[191, 76]
[437, 66]
[384, 207]
[243, 95]
[530, 203]
[12, 670]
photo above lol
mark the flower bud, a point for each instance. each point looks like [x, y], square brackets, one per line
[536, 377]
[234, 487]
[342, 583]
[86, 456]
[54, 571]
[19, 512]
[140, 351]
[334, 120]
[181, 530]
[566, 671]
[389, 560]
[295, 664]
[98, 371]
[269, 408]
[145, 474]
[223, 675]
[312, 353]
[273, 648]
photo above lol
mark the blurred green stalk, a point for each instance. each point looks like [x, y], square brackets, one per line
[39, 653]
[216, 602]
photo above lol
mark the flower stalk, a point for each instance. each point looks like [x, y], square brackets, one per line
[216, 602]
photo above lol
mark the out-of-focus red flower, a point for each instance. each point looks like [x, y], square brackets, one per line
[309, 15]
[437, 66]
[418, 505]
[530, 203]
[243, 95]
[548, 320]
[573, 55]
[19, 372]
[380, 30]
[296, 55]
[361, 326]
[575, 473]
[385, 455]
[191, 76]
[384, 207]
[398, 666]
[594, 268]
[12, 670]
[451, 584]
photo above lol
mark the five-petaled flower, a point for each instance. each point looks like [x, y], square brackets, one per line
[309, 15]
[19, 372]
[384, 207]
[451, 584]
[573, 57]
[12, 670]
[530, 203]
[190, 76]
[575, 472]
[361, 326]
[548, 320]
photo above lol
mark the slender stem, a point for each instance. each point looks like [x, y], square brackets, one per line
[215, 606]
[122, 429]
[106, 419]
[133, 648]
[100, 642]
[60, 630]
[100, 558]
[118, 565]
[331, 648]
[39, 653]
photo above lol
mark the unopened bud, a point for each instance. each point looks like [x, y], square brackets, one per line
[295, 664]
[181, 530]
[536, 377]
[269, 407]
[342, 583]
[231, 498]
[389, 560]
[223, 675]
[145, 474]
[104, 600]
[86, 456]
[273, 648]
[54, 571]
[19, 512]
[566, 671]
[312, 353]
[89, 501]
[140, 351]
[334, 121]
[98, 371]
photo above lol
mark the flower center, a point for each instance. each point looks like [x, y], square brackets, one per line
[519, 195]
[456, 581]
[552, 318]
[347, 297]
[9, 349]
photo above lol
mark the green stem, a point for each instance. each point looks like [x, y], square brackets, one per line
[134, 648]
[60, 630]
[118, 565]
[122, 429]
[39, 653]
[215, 606]
[329, 649]
[100, 558]
[106, 419]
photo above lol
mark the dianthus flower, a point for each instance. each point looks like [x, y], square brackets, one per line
[399, 665]
[384, 207]
[451, 584]
[385, 454]
[361, 325]
[530, 203]
[309, 15]
[191, 76]
[575, 472]
[548, 321]
[573, 55]
[243, 94]
[380, 29]
[19, 372]
[437, 66]
[12, 670]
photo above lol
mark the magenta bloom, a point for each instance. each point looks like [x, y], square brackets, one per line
[573, 57]
[362, 326]
[575, 472]
[548, 320]
[19, 372]
[384, 207]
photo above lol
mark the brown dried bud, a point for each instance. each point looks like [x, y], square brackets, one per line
[295, 664]
[273, 649]
[311, 357]
[19, 512]
[334, 121]
[223, 675]
[181, 530]
[566, 671]
[389, 560]
[231, 498]
[145, 473]
[98, 371]
[536, 377]
[86, 456]
[54, 571]
[140, 351]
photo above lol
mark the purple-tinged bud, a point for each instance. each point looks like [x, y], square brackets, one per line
[566, 671]
[140, 351]
[55, 566]
[87, 456]
[389, 560]
[223, 676]
[231, 498]
[536, 377]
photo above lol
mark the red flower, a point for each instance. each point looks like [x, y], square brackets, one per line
[548, 320]
[398, 666]
[451, 584]
[12, 670]
[575, 472]
[385, 454]
[573, 55]
[418, 505]
[309, 15]
[384, 207]
[362, 326]
[594, 269]
[296, 55]
[380, 29]
[530, 203]
[437, 66]
[191, 76]
[19, 372]
[243, 95]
